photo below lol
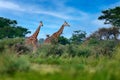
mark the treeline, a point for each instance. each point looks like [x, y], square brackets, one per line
[111, 33]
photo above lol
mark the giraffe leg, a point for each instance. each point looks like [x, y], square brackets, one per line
[34, 43]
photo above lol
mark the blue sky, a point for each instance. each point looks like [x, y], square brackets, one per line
[80, 14]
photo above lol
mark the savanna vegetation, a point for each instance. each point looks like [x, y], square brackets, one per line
[96, 57]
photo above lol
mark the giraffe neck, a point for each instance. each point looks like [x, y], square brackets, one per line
[35, 34]
[59, 32]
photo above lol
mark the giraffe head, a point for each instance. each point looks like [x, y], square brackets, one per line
[41, 24]
[66, 24]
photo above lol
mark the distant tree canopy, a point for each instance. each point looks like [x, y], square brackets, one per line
[111, 16]
[9, 29]
[111, 33]
[7, 22]
[63, 40]
[78, 37]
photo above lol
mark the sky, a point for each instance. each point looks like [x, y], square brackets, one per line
[80, 14]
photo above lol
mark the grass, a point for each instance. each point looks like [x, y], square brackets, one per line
[38, 66]
[77, 68]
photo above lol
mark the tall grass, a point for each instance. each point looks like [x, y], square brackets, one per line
[58, 62]
[77, 68]
[8, 43]
[11, 63]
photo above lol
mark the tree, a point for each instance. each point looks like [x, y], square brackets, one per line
[9, 29]
[78, 37]
[114, 31]
[7, 22]
[63, 40]
[111, 16]
[20, 31]
[105, 34]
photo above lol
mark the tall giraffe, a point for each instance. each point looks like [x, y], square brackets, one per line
[32, 40]
[54, 37]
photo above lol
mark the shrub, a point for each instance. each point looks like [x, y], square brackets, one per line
[84, 51]
[93, 41]
[56, 50]
[20, 48]
[10, 63]
[104, 47]
[107, 47]
[72, 50]
[50, 49]
[8, 43]
[15, 44]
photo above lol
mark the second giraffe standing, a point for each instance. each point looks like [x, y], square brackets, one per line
[54, 37]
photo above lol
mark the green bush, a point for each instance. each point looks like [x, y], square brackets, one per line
[84, 51]
[42, 51]
[49, 49]
[78, 50]
[116, 53]
[107, 47]
[102, 47]
[93, 41]
[8, 43]
[72, 50]
[15, 44]
[20, 48]
[56, 50]
[10, 63]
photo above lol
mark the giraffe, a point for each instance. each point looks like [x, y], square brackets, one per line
[54, 36]
[32, 40]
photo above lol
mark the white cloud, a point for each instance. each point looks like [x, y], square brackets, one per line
[51, 13]
[10, 5]
[68, 14]
[74, 15]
